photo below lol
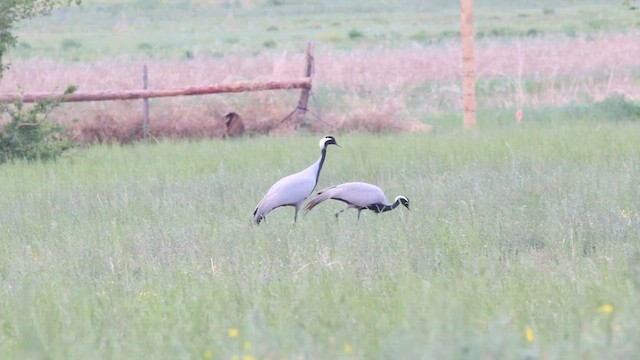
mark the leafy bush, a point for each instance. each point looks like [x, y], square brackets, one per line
[355, 34]
[548, 11]
[70, 44]
[30, 134]
[631, 4]
[420, 35]
[12, 11]
[617, 107]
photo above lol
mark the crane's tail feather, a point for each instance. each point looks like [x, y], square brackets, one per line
[320, 197]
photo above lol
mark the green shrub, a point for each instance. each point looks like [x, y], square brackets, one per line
[448, 34]
[146, 47]
[533, 32]
[570, 30]
[420, 35]
[597, 24]
[632, 4]
[232, 40]
[70, 44]
[30, 134]
[617, 107]
[355, 34]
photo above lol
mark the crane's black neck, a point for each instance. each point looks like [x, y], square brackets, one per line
[378, 208]
[322, 156]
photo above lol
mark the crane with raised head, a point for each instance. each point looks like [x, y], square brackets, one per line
[294, 189]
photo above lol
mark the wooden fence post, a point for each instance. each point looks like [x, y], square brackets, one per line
[145, 103]
[301, 109]
[468, 64]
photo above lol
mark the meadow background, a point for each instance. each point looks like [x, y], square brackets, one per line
[522, 240]
[380, 66]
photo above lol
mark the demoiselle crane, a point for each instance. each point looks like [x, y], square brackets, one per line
[294, 189]
[357, 195]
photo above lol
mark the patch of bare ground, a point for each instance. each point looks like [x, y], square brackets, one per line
[362, 89]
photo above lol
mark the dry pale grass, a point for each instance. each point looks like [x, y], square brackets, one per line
[362, 89]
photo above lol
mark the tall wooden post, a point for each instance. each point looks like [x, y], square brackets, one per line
[468, 64]
[301, 110]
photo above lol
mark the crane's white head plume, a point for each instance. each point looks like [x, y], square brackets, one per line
[403, 200]
[326, 141]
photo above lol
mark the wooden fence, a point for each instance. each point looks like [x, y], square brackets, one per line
[303, 83]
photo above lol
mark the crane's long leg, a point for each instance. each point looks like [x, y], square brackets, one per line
[295, 215]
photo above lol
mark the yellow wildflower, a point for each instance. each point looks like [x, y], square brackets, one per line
[246, 345]
[146, 294]
[528, 334]
[606, 309]
[208, 354]
[348, 348]
[233, 333]
[248, 357]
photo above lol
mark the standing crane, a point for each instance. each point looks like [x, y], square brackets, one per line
[294, 189]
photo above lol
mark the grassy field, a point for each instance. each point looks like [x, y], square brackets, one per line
[188, 29]
[521, 242]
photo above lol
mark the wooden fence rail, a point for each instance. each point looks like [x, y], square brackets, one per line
[301, 83]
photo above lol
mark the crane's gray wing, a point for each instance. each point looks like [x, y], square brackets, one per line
[290, 190]
[359, 194]
[355, 194]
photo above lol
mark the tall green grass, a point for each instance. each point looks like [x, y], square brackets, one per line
[148, 251]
